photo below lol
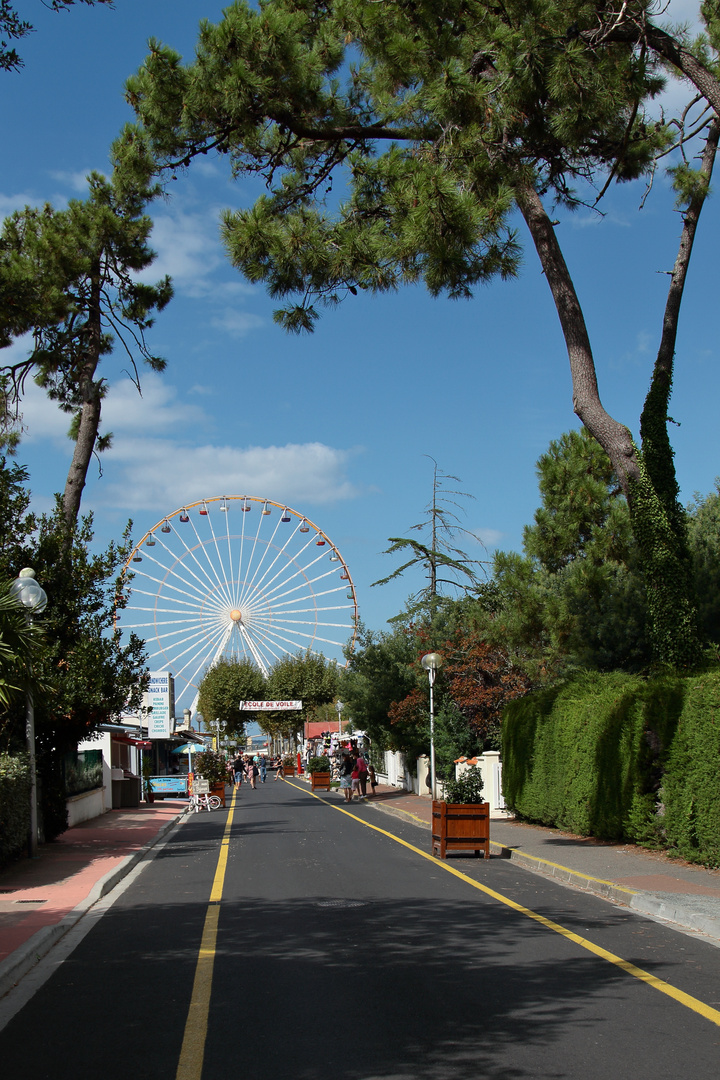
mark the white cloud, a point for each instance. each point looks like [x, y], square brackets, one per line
[166, 474]
[188, 250]
[144, 470]
[76, 181]
[10, 203]
[237, 323]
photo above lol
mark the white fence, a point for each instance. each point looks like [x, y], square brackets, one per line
[397, 774]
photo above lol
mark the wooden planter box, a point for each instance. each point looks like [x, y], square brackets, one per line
[289, 770]
[219, 790]
[320, 781]
[460, 827]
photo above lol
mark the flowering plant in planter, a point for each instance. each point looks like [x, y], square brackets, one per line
[467, 788]
[319, 764]
[211, 766]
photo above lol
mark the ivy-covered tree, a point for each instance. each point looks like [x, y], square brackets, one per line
[71, 278]
[439, 119]
[222, 689]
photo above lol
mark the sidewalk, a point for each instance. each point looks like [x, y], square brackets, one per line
[647, 881]
[42, 898]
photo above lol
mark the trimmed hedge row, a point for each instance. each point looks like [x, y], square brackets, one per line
[621, 758]
[14, 806]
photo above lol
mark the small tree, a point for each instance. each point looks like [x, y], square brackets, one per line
[224, 687]
[306, 677]
[446, 566]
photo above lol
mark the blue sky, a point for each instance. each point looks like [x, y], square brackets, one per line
[338, 424]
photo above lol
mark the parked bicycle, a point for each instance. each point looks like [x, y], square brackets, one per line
[206, 802]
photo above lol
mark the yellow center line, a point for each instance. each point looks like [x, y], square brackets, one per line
[713, 1015]
[192, 1052]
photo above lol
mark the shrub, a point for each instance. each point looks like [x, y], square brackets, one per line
[467, 788]
[589, 756]
[319, 764]
[14, 805]
[211, 766]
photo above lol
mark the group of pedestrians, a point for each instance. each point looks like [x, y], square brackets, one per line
[249, 768]
[355, 774]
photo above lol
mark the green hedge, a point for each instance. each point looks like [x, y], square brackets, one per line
[589, 756]
[14, 806]
[691, 786]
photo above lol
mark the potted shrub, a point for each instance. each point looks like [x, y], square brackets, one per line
[213, 768]
[461, 821]
[289, 764]
[320, 775]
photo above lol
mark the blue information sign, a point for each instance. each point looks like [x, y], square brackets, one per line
[169, 785]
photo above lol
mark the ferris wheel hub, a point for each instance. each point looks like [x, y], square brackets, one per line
[236, 615]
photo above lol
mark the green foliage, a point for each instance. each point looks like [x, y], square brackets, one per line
[620, 758]
[223, 687]
[436, 120]
[380, 671]
[660, 534]
[306, 677]
[211, 765]
[577, 598]
[318, 764]
[14, 805]
[588, 756]
[704, 544]
[83, 674]
[71, 278]
[691, 784]
[467, 788]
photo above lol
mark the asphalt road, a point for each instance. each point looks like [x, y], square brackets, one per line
[341, 954]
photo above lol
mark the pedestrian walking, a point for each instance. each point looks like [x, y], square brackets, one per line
[238, 769]
[372, 777]
[355, 783]
[279, 772]
[346, 769]
[263, 768]
[251, 771]
[363, 774]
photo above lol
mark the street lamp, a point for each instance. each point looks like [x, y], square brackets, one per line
[431, 662]
[339, 706]
[33, 598]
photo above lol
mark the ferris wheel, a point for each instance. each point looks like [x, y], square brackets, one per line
[238, 577]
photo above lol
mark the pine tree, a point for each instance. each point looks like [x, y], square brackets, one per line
[439, 119]
[70, 277]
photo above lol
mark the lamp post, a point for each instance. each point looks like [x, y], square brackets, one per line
[339, 706]
[431, 662]
[33, 598]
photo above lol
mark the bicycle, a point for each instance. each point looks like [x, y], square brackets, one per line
[206, 802]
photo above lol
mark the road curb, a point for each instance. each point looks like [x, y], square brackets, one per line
[659, 908]
[27, 955]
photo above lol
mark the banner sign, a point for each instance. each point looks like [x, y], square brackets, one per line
[169, 785]
[270, 706]
[160, 698]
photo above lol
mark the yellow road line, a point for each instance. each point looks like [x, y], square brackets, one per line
[713, 1015]
[192, 1052]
